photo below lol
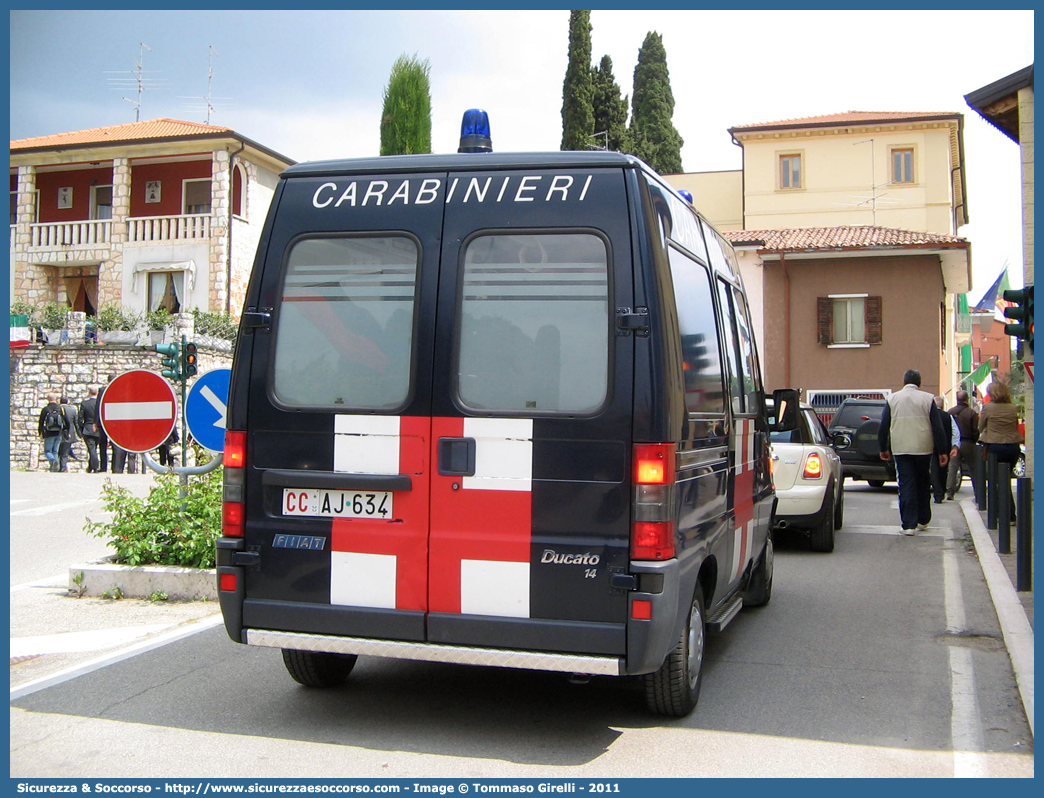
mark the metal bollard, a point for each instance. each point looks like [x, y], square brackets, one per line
[979, 477]
[991, 490]
[1004, 508]
[1024, 535]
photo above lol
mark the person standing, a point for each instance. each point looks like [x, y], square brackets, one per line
[89, 428]
[999, 429]
[69, 435]
[912, 433]
[103, 438]
[968, 424]
[50, 428]
[940, 472]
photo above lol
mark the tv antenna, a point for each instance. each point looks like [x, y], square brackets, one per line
[208, 105]
[137, 80]
[875, 198]
[605, 139]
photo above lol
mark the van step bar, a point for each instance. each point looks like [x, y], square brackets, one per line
[719, 620]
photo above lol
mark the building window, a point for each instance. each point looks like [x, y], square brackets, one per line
[902, 166]
[166, 290]
[101, 202]
[790, 171]
[14, 207]
[197, 196]
[238, 183]
[849, 320]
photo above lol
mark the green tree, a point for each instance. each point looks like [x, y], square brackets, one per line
[577, 90]
[610, 109]
[406, 116]
[654, 138]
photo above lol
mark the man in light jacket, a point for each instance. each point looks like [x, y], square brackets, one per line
[912, 432]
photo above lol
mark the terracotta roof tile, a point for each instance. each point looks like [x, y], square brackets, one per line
[847, 118]
[813, 239]
[134, 131]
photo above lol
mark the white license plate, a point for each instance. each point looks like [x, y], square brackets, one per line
[337, 503]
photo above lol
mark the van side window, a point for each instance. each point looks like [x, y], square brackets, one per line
[728, 316]
[344, 334]
[534, 323]
[701, 358]
[748, 355]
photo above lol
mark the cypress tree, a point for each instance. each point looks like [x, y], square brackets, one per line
[577, 89]
[654, 138]
[406, 116]
[610, 109]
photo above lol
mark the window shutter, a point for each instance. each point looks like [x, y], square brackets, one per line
[874, 331]
[825, 319]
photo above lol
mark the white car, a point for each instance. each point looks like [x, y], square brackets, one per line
[809, 480]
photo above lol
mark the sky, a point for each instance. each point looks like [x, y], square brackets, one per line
[308, 84]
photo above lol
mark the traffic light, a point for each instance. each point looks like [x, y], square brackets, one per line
[171, 361]
[188, 360]
[1021, 312]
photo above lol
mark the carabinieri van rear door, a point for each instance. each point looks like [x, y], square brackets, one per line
[439, 415]
[532, 411]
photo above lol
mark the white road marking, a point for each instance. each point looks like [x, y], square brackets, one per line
[77, 642]
[965, 724]
[55, 508]
[148, 644]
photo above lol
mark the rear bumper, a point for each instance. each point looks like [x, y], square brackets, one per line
[869, 470]
[800, 501]
[433, 652]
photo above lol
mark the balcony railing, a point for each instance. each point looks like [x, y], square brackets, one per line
[146, 229]
[58, 235]
[98, 233]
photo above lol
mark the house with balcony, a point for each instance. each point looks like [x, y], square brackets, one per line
[156, 214]
[846, 230]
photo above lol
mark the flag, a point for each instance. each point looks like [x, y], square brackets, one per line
[993, 300]
[980, 379]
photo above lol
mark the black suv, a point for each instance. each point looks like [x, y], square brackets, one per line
[860, 419]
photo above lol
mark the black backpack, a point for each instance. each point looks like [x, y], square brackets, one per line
[54, 420]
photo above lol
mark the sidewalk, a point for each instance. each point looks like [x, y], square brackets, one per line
[1014, 609]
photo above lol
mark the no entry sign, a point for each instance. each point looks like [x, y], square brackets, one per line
[138, 410]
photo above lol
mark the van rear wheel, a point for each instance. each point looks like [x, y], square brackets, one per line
[759, 590]
[318, 668]
[674, 689]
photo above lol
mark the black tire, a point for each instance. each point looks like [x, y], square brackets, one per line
[875, 483]
[759, 590]
[318, 668]
[839, 508]
[674, 689]
[822, 537]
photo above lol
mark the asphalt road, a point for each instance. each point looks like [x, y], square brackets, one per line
[883, 658]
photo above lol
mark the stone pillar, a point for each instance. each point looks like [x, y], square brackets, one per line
[221, 204]
[184, 324]
[75, 325]
[30, 281]
[110, 273]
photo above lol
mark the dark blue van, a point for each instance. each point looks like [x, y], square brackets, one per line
[494, 409]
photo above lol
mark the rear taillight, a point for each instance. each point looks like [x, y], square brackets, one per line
[233, 507]
[813, 466]
[653, 522]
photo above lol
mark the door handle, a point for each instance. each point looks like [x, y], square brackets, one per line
[457, 457]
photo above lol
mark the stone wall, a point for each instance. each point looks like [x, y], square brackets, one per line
[70, 370]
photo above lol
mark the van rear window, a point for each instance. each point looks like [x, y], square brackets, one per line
[344, 335]
[534, 323]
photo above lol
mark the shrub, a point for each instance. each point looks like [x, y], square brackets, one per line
[20, 308]
[158, 319]
[163, 528]
[52, 316]
[115, 317]
[217, 325]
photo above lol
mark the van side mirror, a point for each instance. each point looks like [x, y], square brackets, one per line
[786, 406]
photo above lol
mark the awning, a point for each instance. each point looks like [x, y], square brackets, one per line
[186, 266]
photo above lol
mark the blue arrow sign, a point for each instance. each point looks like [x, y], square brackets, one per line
[205, 409]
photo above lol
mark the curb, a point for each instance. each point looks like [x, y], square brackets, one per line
[142, 581]
[1015, 626]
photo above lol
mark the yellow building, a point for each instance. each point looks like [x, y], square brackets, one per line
[846, 229]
